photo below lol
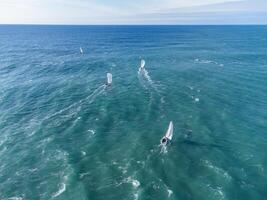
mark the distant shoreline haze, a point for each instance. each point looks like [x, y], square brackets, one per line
[139, 12]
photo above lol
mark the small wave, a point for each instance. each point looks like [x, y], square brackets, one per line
[197, 60]
[91, 131]
[134, 182]
[218, 192]
[260, 168]
[123, 169]
[2, 141]
[218, 170]
[33, 170]
[62, 188]
[204, 61]
[190, 87]
[83, 175]
[15, 198]
[136, 195]
[170, 192]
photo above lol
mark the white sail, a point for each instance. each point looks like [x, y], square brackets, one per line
[143, 62]
[81, 50]
[169, 132]
[109, 78]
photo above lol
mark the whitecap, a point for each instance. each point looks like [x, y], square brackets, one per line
[83, 153]
[208, 62]
[123, 169]
[218, 193]
[170, 192]
[33, 170]
[155, 187]
[84, 174]
[62, 188]
[15, 198]
[196, 99]
[114, 163]
[191, 87]
[136, 183]
[91, 131]
[136, 195]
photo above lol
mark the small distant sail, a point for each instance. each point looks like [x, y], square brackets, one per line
[109, 78]
[143, 62]
[169, 132]
[81, 50]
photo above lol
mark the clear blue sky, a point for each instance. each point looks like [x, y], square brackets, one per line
[133, 11]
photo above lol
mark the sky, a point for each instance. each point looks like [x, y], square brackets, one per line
[133, 11]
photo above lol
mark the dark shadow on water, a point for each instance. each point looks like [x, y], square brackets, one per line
[199, 144]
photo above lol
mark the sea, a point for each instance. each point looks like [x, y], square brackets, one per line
[65, 134]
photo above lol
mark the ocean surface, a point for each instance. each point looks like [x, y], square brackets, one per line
[65, 135]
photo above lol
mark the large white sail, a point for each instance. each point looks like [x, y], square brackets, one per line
[143, 63]
[109, 78]
[169, 132]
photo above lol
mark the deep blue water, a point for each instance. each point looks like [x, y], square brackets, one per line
[64, 135]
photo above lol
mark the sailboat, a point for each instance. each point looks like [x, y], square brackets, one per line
[81, 50]
[168, 136]
[109, 78]
[143, 63]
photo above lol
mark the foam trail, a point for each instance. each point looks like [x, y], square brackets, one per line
[163, 148]
[144, 75]
[142, 81]
[146, 81]
[143, 72]
[90, 98]
[97, 92]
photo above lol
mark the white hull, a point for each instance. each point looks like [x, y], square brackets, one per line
[109, 78]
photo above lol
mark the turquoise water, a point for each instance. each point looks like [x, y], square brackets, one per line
[64, 135]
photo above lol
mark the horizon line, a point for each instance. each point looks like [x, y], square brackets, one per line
[36, 24]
